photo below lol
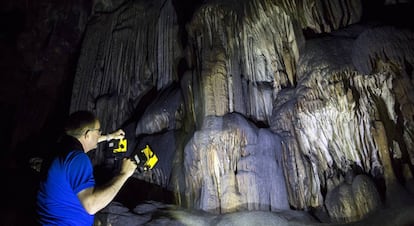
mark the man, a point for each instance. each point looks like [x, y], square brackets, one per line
[67, 193]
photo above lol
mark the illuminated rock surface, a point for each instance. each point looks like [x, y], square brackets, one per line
[269, 120]
[261, 112]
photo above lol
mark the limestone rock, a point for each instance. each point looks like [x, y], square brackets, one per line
[258, 98]
[351, 202]
[231, 165]
[164, 113]
[124, 57]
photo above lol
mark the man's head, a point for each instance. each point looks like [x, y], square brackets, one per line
[84, 126]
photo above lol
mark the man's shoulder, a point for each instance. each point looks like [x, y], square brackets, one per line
[77, 155]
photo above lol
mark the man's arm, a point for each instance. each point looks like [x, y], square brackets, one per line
[119, 134]
[96, 198]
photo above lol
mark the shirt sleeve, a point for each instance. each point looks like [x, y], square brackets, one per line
[80, 172]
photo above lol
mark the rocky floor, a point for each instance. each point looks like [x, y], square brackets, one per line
[154, 213]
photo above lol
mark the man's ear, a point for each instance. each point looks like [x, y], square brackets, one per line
[86, 134]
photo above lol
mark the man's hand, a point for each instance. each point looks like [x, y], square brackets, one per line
[119, 134]
[128, 166]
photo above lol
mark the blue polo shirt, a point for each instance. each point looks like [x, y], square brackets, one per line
[57, 201]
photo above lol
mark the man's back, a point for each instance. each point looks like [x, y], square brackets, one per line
[67, 174]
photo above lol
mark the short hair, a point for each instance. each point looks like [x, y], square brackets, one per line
[79, 123]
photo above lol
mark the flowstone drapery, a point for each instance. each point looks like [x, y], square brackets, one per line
[263, 117]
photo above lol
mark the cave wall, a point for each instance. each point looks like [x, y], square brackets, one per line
[255, 104]
[39, 44]
[265, 117]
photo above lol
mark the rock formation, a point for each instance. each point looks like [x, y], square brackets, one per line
[257, 105]
[269, 119]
